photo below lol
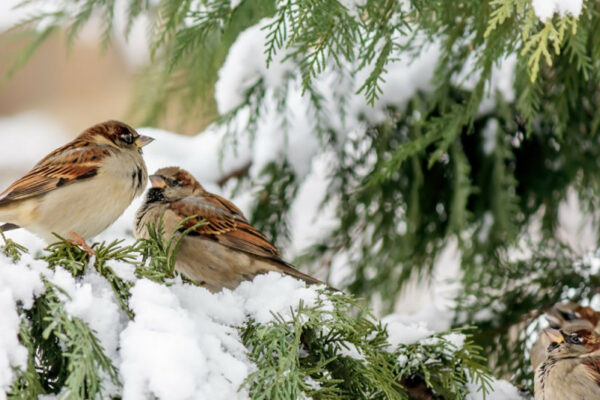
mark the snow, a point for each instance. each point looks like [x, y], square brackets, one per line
[245, 66]
[184, 342]
[196, 350]
[401, 333]
[8, 14]
[490, 136]
[18, 285]
[242, 69]
[545, 9]
[201, 346]
[92, 300]
[501, 390]
[235, 3]
[501, 79]
[271, 293]
[184, 352]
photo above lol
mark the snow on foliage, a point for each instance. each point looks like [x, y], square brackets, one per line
[184, 341]
[246, 67]
[545, 9]
[18, 284]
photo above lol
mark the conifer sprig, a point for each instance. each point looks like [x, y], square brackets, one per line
[332, 349]
[335, 350]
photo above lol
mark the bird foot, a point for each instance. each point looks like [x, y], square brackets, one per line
[79, 241]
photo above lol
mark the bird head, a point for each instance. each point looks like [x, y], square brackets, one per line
[174, 183]
[116, 134]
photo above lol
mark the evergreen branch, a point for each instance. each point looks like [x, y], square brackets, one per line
[159, 251]
[76, 260]
[201, 25]
[526, 289]
[11, 249]
[277, 31]
[333, 350]
[279, 189]
[26, 385]
[84, 355]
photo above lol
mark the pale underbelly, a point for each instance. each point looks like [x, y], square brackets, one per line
[86, 208]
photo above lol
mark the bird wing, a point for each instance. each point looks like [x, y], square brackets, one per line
[223, 223]
[70, 163]
[592, 365]
[226, 224]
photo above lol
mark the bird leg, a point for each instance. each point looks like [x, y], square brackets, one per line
[79, 241]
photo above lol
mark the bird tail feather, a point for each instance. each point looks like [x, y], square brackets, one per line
[8, 227]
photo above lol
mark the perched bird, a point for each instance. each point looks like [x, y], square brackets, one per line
[81, 188]
[567, 316]
[571, 370]
[222, 252]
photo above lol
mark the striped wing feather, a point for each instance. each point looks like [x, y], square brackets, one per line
[226, 224]
[229, 229]
[70, 163]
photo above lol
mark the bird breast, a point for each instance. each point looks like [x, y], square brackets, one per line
[90, 206]
[565, 379]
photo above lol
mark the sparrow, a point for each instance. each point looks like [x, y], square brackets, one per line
[220, 253]
[81, 188]
[571, 370]
[569, 316]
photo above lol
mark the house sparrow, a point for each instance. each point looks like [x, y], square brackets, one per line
[81, 188]
[571, 370]
[570, 316]
[223, 252]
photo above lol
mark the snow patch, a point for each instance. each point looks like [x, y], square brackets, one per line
[500, 390]
[18, 285]
[197, 351]
[545, 9]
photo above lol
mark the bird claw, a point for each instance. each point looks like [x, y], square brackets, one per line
[79, 241]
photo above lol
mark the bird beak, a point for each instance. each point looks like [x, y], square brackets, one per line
[554, 334]
[143, 140]
[157, 182]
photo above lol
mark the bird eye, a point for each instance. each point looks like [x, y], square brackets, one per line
[174, 182]
[575, 339]
[128, 138]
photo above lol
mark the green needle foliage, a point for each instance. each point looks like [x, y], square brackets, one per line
[526, 289]
[458, 163]
[332, 349]
[65, 357]
[76, 260]
[11, 249]
[159, 255]
[336, 350]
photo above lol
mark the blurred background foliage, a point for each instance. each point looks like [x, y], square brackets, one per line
[444, 167]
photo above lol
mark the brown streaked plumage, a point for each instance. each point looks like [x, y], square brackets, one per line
[81, 188]
[571, 370]
[222, 252]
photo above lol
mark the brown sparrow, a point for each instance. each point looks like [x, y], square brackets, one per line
[566, 316]
[223, 252]
[81, 188]
[571, 370]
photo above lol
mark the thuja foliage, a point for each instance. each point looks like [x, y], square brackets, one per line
[331, 349]
[506, 305]
[328, 351]
[453, 164]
